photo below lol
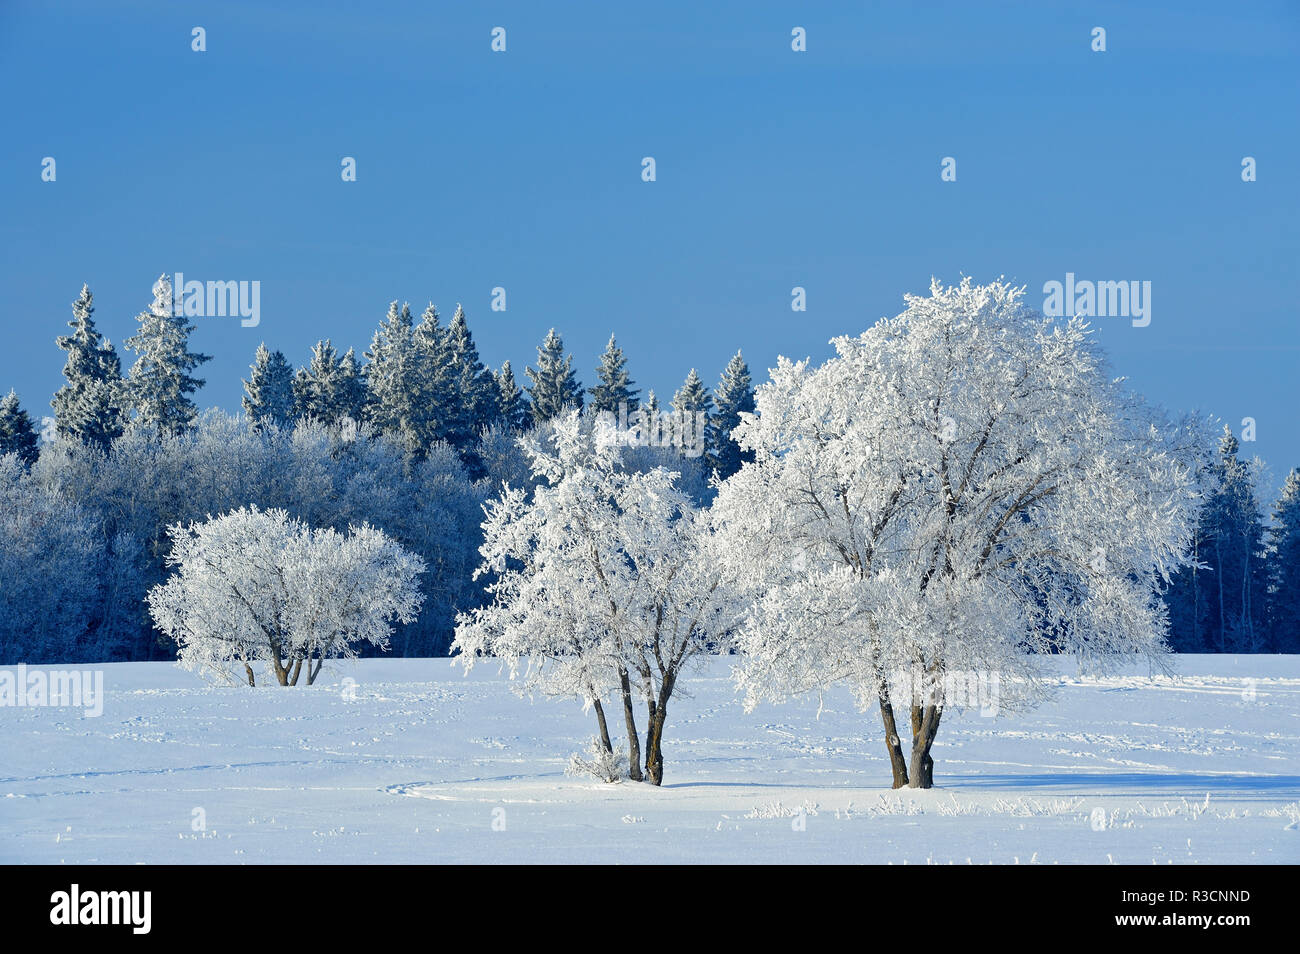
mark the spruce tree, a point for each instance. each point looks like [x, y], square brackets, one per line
[17, 436]
[90, 406]
[691, 417]
[352, 387]
[393, 386]
[1284, 569]
[474, 385]
[613, 391]
[160, 381]
[319, 389]
[268, 391]
[1234, 546]
[512, 406]
[554, 387]
[734, 396]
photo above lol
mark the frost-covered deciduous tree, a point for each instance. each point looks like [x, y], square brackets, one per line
[601, 583]
[258, 586]
[961, 488]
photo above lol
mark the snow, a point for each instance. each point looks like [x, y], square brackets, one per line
[413, 761]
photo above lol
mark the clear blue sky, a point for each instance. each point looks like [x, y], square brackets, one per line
[775, 169]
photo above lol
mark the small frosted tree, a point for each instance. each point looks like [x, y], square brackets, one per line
[601, 584]
[734, 397]
[258, 586]
[960, 490]
[613, 392]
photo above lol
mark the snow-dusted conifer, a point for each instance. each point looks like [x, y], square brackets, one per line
[160, 382]
[733, 397]
[268, 390]
[555, 388]
[613, 392]
[17, 436]
[90, 406]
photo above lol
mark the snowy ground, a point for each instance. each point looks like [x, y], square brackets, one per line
[411, 761]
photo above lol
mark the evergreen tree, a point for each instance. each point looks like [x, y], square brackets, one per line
[352, 387]
[319, 390]
[613, 391]
[554, 386]
[268, 392]
[17, 436]
[691, 417]
[1284, 569]
[734, 396]
[160, 381]
[1234, 547]
[89, 407]
[474, 385]
[512, 406]
[393, 374]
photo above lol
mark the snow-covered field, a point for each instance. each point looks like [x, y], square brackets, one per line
[411, 761]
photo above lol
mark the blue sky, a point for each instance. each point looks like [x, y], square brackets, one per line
[774, 169]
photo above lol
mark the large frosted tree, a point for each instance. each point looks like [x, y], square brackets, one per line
[555, 388]
[268, 390]
[91, 405]
[160, 381]
[473, 386]
[960, 490]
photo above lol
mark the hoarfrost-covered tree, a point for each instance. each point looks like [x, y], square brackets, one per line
[17, 436]
[258, 586]
[961, 488]
[601, 582]
[160, 381]
[268, 391]
[91, 405]
[555, 388]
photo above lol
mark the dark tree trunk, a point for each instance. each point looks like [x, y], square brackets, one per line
[604, 728]
[629, 716]
[654, 753]
[297, 668]
[892, 743]
[314, 671]
[925, 726]
[252, 681]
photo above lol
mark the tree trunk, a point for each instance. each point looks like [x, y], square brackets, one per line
[629, 716]
[249, 670]
[297, 668]
[925, 726]
[604, 728]
[654, 754]
[277, 666]
[892, 744]
[313, 672]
